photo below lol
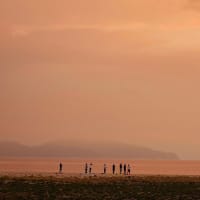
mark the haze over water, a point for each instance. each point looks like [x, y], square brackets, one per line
[117, 70]
[76, 166]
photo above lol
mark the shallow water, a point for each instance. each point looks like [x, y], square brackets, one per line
[76, 166]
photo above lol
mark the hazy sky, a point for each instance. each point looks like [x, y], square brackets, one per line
[125, 70]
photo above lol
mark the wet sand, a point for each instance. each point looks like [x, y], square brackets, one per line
[98, 187]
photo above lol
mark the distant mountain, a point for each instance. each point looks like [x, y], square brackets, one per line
[78, 149]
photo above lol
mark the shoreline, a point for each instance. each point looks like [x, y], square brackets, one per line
[82, 175]
[109, 187]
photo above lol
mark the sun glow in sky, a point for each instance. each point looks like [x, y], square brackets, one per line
[125, 70]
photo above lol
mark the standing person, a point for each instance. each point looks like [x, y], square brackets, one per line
[113, 168]
[124, 169]
[129, 169]
[104, 168]
[120, 168]
[60, 168]
[90, 168]
[86, 168]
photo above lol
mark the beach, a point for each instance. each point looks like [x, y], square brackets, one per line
[98, 186]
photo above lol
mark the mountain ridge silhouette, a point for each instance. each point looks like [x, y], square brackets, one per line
[79, 149]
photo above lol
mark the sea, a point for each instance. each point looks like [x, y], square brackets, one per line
[77, 166]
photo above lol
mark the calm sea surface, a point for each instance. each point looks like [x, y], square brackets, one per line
[76, 166]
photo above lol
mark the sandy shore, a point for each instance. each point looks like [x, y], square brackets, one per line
[80, 186]
[83, 175]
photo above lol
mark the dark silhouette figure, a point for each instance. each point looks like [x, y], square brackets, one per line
[120, 168]
[113, 168]
[129, 169]
[90, 168]
[104, 168]
[86, 168]
[60, 167]
[124, 169]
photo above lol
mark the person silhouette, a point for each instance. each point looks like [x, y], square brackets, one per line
[124, 169]
[120, 168]
[86, 168]
[113, 168]
[60, 167]
[104, 168]
[90, 168]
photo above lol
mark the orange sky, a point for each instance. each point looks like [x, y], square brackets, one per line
[124, 70]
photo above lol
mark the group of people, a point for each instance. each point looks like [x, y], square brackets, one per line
[123, 169]
[88, 168]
